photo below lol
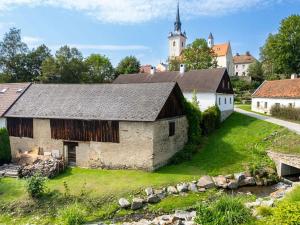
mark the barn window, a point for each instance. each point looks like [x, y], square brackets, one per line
[266, 105]
[230, 100]
[225, 101]
[82, 130]
[219, 101]
[171, 129]
[20, 127]
[258, 104]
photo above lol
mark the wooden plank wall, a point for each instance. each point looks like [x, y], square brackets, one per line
[20, 127]
[81, 130]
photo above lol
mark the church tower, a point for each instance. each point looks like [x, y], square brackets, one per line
[210, 41]
[177, 39]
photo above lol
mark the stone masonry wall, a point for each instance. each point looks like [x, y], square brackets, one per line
[143, 145]
[164, 146]
[282, 162]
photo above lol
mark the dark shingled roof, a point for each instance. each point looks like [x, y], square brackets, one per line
[12, 92]
[124, 102]
[199, 80]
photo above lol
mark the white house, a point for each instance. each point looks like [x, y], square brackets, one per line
[212, 86]
[276, 92]
[242, 63]
[9, 93]
[223, 53]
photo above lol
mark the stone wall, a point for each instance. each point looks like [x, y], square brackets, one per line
[143, 145]
[164, 146]
[225, 114]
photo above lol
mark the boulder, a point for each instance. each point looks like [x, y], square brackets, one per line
[267, 203]
[205, 182]
[124, 203]
[239, 177]
[153, 199]
[182, 187]
[160, 193]
[185, 215]
[172, 190]
[248, 181]
[149, 191]
[233, 184]
[137, 203]
[220, 181]
[201, 189]
[193, 187]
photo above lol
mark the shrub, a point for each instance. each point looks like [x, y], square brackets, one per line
[193, 115]
[290, 113]
[264, 211]
[211, 119]
[36, 185]
[5, 153]
[72, 215]
[227, 210]
[286, 213]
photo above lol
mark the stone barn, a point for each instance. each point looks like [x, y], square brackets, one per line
[138, 126]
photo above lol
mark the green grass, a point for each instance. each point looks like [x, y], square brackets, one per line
[239, 142]
[244, 107]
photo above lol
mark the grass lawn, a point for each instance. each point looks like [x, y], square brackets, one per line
[230, 149]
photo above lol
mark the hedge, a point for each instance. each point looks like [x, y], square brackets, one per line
[289, 113]
[211, 119]
[5, 153]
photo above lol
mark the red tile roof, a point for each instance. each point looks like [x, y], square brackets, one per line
[243, 59]
[9, 93]
[279, 89]
[221, 49]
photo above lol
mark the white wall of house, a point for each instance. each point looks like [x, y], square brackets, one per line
[241, 69]
[2, 122]
[206, 100]
[264, 105]
[226, 62]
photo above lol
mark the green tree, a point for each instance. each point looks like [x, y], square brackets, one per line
[50, 71]
[198, 56]
[174, 64]
[5, 152]
[195, 101]
[99, 69]
[255, 71]
[13, 55]
[281, 52]
[128, 65]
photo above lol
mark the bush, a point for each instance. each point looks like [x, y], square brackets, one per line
[227, 210]
[193, 115]
[36, 185]
[290, 113]
[211, 119]
[5, 153]
[72, 215]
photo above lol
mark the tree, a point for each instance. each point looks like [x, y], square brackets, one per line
[12, 55]
[281, 52]
[50, 71]
[99, 69]
[128, 65]
[198, 56]
[195, 101]
[174, 64]
[255, 71]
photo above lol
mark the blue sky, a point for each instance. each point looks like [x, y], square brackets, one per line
[117, 28]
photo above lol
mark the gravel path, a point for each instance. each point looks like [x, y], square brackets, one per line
[289, 125]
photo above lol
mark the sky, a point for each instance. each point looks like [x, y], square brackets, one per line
[118, 28]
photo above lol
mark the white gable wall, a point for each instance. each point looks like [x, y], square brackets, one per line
[264, 105]
[205, 100]
[2, 122]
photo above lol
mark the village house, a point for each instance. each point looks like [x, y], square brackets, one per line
[9, 93]
[242, 63]
[276, 92]
[212, 86]
[223, 54]
[101, 125]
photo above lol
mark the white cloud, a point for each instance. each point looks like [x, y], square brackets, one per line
[104, 47]
[32, 41]
[137, 11]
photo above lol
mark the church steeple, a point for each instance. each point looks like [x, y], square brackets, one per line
[177, 24]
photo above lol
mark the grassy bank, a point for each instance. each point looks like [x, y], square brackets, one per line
[240, 141]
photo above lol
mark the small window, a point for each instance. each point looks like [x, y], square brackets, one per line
[291, 105]
[181, 44]
[230, 100]
[225, 101]
[236, 66]
[258, 104]
[244, 74]
[237, 73]
[219, 101]
[277, 104]
[243, 66]
[266, 105]
[174, 43]
[171, 129]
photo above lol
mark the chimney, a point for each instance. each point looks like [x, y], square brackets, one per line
[237, 54]
[153, 70]
[294, 76]
[248, 53]
[182, 68]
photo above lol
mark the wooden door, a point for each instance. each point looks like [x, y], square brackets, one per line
[71, 148]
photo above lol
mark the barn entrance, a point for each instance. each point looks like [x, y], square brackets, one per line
[71, 152]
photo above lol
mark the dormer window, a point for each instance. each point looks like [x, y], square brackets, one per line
[3, 90]
[19, 90]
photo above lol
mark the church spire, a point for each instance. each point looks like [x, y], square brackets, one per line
[177, 24]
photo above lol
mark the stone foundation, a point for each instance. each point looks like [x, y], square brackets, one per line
[225, 114]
